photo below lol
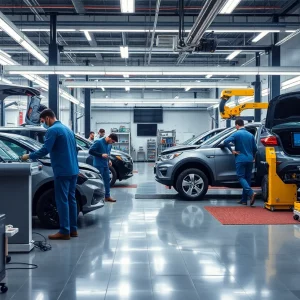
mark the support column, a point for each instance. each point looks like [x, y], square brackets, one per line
[54, 60]
[257, 90]
[72, 112]
[217, 110]
[2, 113]
[87, 109]
[274, 61]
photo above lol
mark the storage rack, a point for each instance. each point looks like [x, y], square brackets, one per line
[123, 133]
[151, 150]
[165, 139]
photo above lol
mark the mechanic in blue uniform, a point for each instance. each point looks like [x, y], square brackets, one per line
[245, 151]
[101, 151]
[61, 144]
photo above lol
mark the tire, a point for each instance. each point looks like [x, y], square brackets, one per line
[265, 188]
[185, 186]
[175, 188]
[112, 175]
[46, 210]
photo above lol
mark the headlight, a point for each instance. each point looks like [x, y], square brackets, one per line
[122, 158]
[83, 176]
[170, 156]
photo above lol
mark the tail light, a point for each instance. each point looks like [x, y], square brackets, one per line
[270, 141]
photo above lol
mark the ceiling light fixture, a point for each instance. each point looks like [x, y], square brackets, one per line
[287, 38]
[67, 75]
[125, 75]
[187, 89]
[103, 89]
[127, 88]
[209, 76]
[22, 39]
[260, 36]
[229, 6]
[87, 35]
[233, 54]
[124, 52]
[127, 6]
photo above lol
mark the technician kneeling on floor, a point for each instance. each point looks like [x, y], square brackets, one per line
[61, 144]
[101, 151]
[245, 151]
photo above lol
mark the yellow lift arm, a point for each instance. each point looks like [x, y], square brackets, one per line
[230, 113]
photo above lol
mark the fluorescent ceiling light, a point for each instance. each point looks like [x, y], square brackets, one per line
[233, 54]
[290, 83]
[103, 89]
[229, 6]
[88, 36]
[127, 6]
[187, 89]
[20, 38]
[260, 36]
[127, 88]
[125, 75]
[6, 80]
[290, 36]
[67, 75]
[124, 52]
[209, 76]
[81, 104]
[4, 53]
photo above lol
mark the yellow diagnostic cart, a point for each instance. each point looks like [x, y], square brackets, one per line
[281, 196]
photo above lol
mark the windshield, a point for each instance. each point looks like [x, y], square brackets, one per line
[30, 143]
[218, 136]
[195, 139]
[7, 154]
[188, 141]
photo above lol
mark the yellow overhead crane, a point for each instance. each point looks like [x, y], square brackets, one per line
[232, 113]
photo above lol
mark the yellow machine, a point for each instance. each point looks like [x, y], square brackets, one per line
[231, 113]
[281, 196]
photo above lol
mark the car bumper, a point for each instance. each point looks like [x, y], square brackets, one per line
[289, 172]
[124, 169]
[92, 195]
[163, 173]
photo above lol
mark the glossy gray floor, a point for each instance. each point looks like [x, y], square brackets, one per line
[162, 249]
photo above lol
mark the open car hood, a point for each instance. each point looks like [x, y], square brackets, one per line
[179, 148]
[7, 90]
[283, 109]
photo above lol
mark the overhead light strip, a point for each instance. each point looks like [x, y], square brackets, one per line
[233, 54]
[21, 39]
[127, 6]
[260, 36]
[88, 36]
[229, 6]
[290, 36]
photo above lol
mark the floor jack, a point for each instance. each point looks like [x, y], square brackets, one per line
[281, 196]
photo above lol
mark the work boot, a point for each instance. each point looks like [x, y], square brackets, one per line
[59, 236]
[110, 199]
[74, 234]
[242, 202]
[252, 199]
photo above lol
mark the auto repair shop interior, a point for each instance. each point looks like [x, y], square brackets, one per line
[169, 78]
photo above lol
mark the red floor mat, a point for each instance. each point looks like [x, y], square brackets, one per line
[246, 215]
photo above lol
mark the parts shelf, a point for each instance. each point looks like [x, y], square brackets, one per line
[165, 139]
[151, 150]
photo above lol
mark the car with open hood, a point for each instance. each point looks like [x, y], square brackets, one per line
[89, 189]
[191, 172]
[192, 143]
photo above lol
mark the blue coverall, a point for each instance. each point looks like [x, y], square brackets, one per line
[61, 144]
[244, 144]
[98, 148]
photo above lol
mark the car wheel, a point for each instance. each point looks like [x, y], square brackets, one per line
[175, 188]
[47, 211]
[112, 175]
[192, 184]
[265, 188]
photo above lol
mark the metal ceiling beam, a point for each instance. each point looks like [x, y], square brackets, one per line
[79, 7]
[147, 70]
[290, 7]
[150, 85]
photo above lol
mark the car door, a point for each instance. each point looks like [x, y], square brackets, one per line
[225, 163]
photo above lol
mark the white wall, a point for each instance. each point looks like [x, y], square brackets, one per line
[186, 123]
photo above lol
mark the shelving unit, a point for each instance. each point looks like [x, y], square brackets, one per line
[165, 139]
[124, 142]
[151, 150]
